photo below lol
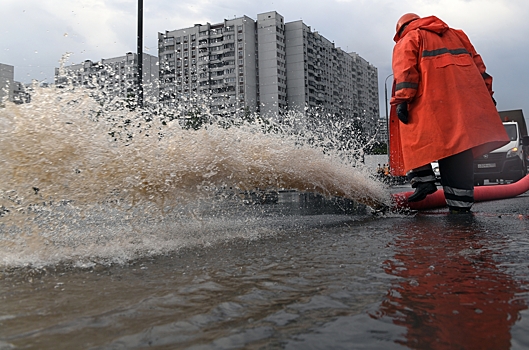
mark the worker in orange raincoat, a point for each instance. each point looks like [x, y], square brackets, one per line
[442, 109]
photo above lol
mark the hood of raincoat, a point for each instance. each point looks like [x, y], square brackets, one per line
[430, 23]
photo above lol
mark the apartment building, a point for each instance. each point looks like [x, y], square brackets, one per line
[10, 89]
[21, 93]
[267, 66]
[6, 82]
[116, 76]
[271, 64]
[366, 102]
[213, 60]
[382, 132]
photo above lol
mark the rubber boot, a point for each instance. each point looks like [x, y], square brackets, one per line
[423, 180]
[422, 190]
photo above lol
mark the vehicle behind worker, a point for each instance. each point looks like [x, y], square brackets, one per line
[508, 162]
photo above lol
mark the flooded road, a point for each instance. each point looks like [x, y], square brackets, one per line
[320, 279]
[124, 229]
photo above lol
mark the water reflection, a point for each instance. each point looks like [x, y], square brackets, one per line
[451, 294]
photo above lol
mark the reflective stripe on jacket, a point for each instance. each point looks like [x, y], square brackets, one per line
[440, 75]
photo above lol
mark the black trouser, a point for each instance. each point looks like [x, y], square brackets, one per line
[457, 178]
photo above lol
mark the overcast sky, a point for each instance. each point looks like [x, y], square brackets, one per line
[36, 33]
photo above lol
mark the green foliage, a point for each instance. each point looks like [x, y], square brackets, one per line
[378, 148]
[195, 118]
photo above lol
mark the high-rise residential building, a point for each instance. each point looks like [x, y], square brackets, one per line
[271, 63]
[365, 102]
[214, 60]
[6, 82]
[116, 76]
[382, 132]
[267, 66]
[10, 89]
[21, 93]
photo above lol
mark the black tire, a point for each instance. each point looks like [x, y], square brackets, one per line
[522, 173]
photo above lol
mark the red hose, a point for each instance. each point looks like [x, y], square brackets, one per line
[481, 194]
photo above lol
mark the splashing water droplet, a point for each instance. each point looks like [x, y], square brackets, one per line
[86, 174]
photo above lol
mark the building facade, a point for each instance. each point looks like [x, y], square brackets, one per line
[382, 132]
[266, 66]
[11, 90]
[7, 74]
[217, 61]
[115, 76]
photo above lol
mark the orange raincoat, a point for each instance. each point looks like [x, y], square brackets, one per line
[440, 75]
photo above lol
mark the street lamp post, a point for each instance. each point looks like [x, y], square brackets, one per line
[139, 53]
[386, 96]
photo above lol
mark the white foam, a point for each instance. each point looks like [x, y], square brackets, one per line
[74, 182]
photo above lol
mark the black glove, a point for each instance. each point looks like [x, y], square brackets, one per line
[402, 112]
